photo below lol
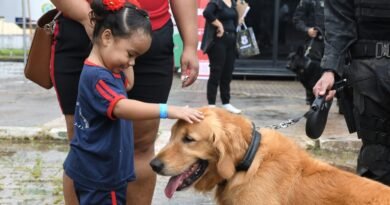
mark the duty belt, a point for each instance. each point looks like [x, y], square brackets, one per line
[371, 49]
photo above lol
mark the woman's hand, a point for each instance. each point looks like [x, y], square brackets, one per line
[219, 28]
[189, 66]
[220, 31]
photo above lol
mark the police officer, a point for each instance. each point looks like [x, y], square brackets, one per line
[361, 29]
[308, 15]
[309, 18]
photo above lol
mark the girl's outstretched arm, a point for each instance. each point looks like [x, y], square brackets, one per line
[137, 110]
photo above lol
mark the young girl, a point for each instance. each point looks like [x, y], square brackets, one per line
[100, 158]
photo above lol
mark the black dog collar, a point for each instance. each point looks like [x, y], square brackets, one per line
[251, 152]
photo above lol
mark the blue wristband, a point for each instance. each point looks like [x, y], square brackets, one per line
[163, 111]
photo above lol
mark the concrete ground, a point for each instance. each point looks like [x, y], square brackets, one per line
[33, 138]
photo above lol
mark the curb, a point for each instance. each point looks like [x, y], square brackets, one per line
[32, 133]
[334, 144]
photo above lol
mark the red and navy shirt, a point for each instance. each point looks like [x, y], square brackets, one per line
[102, 150]
[158, 11]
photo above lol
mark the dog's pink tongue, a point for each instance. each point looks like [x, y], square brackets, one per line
[172, 185]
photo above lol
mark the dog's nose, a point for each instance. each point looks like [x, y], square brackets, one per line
[157, 165]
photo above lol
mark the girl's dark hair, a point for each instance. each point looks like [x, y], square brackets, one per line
[122, 23]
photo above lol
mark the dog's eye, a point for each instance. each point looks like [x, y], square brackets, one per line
[188, 139]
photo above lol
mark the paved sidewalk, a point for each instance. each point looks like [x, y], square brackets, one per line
[33, 145]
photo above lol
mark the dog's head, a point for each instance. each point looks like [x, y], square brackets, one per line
[203, 154]
[308, 71]
[297, 61]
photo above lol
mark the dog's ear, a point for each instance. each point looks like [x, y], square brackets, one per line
[226, 149]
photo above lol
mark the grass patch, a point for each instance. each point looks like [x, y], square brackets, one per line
[11, 52]
[36, 171]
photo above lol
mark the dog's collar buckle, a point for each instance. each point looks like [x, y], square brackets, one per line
[251, 152]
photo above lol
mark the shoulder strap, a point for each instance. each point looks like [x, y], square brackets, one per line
[57, 15]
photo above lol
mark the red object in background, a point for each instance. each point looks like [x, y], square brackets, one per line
[204, 69]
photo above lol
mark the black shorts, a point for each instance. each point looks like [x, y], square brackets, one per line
[86, 195]
[153, 71]
[72, 47]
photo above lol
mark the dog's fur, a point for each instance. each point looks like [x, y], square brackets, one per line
[281, 173]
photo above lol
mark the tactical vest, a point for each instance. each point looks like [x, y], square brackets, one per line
[373, 19]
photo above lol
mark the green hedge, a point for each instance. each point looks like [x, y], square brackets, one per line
[11, 52]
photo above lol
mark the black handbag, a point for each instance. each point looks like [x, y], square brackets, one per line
[208, 37]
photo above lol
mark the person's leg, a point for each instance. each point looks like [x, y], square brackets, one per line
[373, 163]
[72, 46]
[141, 191]
[70, 196]
[153, 73]
[372, 124]
[69, 120]
[227, 71]
[371, 115]
[217, 55]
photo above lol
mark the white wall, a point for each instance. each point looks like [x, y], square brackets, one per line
[13, 41]
[13, 8]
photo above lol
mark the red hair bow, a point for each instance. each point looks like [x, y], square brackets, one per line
[113, 5]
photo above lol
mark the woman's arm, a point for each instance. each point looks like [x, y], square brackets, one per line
[129, 73]
[77, 10]
[186, 17]
[209, 14]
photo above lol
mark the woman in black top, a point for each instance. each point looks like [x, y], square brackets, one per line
[223, 16]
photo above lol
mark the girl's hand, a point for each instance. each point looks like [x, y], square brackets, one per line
[186, 113]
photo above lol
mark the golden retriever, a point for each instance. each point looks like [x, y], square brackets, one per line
[205, 155]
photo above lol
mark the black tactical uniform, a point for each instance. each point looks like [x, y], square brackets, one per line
[361, 29]
[308, 14]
